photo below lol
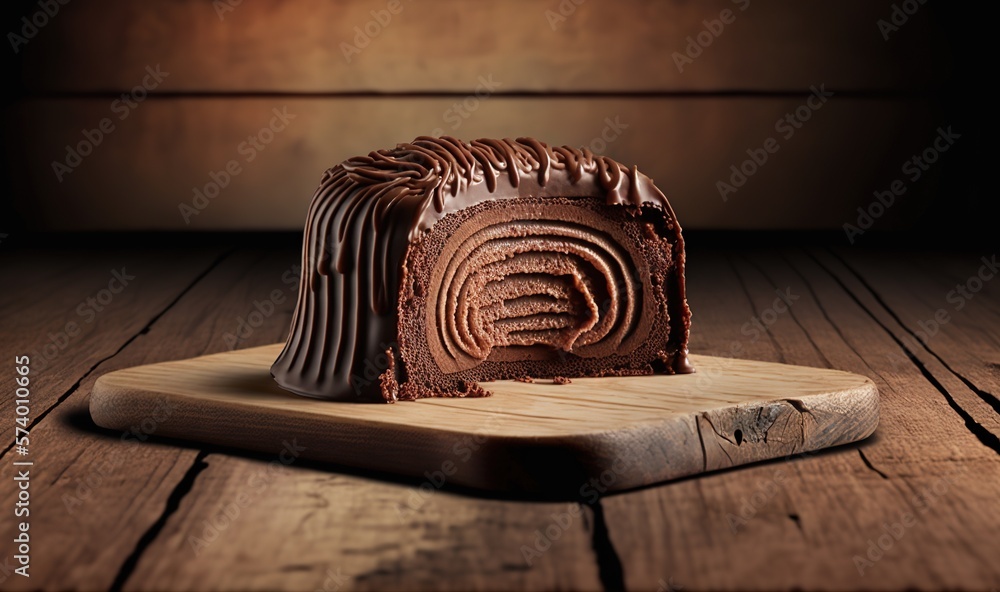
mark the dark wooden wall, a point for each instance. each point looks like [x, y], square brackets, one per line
[559, 78]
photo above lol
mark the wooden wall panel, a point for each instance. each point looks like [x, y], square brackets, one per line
[150, 163]
[446, 45]
[550, 78]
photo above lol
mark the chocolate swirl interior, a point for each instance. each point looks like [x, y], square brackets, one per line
[439, 264]
[552, 275]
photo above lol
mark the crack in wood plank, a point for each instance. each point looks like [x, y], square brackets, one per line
[797, 521]
[609, 564]
[701, 441]
[183, 487]
[869, 464]
[791, 313]
[746, 291]
[719, 436]
[826, 316]
[724, 436]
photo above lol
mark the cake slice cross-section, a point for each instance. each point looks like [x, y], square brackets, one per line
[438, 265]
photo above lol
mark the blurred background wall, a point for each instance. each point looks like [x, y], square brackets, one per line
[750, 114]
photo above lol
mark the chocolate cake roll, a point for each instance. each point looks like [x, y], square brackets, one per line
[437, 265]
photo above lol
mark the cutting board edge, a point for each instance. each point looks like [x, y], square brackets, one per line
[513, 456]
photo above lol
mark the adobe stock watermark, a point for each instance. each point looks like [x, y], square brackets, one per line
[333, 581]
[121, 108]
[958, 297]
[612, 130]
[369, 31]
[263, 309]
[462, 452]
[561, 14]
[899, 15]
[462, 110]
[758, 325]
[893, 532]
[912, 170]
[560, 522]
[753, 330]
[764, 493]
[750, 505]
[249, 150]
[6, 569]
[140, 432]
[224, 7]
[713, 29]
[786, 126]
[373, 368]
[230, 511]
[88, 310]
[30, 26]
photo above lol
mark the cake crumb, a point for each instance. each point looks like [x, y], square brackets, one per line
[524, 379]
[409, 391]
[561, 380]
[472, 390]
[387, 380]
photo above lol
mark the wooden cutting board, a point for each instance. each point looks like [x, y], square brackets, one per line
[595, 434]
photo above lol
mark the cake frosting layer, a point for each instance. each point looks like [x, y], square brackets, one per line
[529, 254]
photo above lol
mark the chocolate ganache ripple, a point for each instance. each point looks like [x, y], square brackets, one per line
[440, 264]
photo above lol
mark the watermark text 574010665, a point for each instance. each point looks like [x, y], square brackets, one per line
[22, 464]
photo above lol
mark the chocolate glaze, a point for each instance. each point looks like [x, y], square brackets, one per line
[370, 210]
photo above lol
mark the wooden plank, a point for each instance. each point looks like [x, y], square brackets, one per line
[167, 149]
[815, 515]
[102, 490]
[67, 311]
[445, 45]
[537, 438]
[308, 529]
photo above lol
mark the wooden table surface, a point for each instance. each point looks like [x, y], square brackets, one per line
[915, 506]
